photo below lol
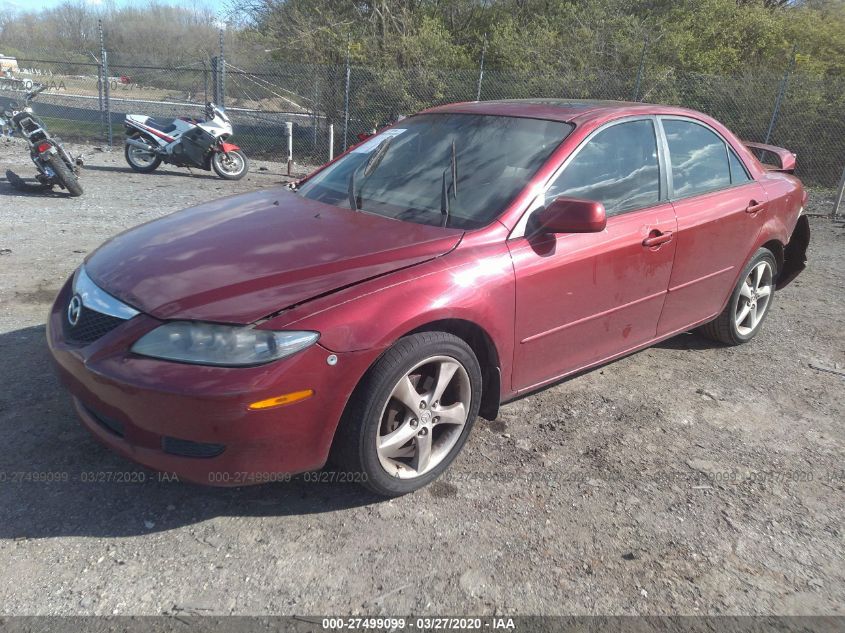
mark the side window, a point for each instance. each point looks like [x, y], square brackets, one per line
[618, 167]
[699, 158]
[739, 173]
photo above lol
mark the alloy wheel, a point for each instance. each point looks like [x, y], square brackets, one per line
[754, 296]
[424, 417]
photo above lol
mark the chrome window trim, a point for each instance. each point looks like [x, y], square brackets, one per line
[539, 199]
[99, 300]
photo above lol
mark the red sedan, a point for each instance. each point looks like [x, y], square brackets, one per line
[466, 256]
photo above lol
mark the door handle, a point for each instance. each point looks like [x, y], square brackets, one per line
[656, 238]
[754, 206]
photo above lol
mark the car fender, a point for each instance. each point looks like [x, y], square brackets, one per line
[473, 284]
[773, 229]
[786, 197]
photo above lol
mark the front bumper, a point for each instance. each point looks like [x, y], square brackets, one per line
[193, 420]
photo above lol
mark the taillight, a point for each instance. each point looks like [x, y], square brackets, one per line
[44, 147]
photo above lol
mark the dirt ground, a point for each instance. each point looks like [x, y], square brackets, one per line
[686, 479]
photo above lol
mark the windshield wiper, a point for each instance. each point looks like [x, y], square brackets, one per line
[444, 191]
[369, 167]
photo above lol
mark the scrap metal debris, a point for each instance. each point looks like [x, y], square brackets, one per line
[19, 183]
[830, 370]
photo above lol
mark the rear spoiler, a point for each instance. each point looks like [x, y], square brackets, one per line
[773, 158]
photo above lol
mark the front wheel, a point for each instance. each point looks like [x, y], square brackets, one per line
[65, 175]
[231, 165]
[749, 304]
[411, 414]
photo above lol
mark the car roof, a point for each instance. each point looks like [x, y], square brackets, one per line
[568, 110]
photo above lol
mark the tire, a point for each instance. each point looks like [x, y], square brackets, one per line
[65, 175]
[144, 168]
[230, 172]
[728, 327]
[370, 439]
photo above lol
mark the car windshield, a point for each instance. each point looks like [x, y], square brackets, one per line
[457, 170]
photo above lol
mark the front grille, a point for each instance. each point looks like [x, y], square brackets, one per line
[114, 426]
[90, 326]
[187, 448]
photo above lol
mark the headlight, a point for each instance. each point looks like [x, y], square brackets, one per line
[226, 345]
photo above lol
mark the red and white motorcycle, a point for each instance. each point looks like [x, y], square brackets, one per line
[185, 142]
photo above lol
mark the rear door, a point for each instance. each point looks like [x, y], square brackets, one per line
[720, 211]
[584, 297]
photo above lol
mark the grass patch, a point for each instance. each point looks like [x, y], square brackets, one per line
[76, 130]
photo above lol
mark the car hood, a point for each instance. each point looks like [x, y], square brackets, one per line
[241, 258]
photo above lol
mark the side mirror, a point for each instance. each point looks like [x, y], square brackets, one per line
[572, 215]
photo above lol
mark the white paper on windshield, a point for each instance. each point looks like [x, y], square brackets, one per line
[370, 144]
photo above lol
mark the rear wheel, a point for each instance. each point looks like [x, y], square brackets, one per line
[140, 159]
[749, 304]
[412, 413]
[65, 175]
[231, 165]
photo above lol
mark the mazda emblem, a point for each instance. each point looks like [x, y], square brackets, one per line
[74, 309]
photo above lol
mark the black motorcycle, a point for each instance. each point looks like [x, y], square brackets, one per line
[55, 164]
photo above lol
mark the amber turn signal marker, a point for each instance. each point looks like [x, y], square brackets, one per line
[278, 401]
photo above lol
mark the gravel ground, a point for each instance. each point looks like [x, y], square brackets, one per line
[687, 479]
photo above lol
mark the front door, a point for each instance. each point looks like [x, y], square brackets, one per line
[582, 298]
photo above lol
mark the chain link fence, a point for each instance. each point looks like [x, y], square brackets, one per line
[330, 106]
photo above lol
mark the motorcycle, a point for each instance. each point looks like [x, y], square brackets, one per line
[185, 142]
[56, 166]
